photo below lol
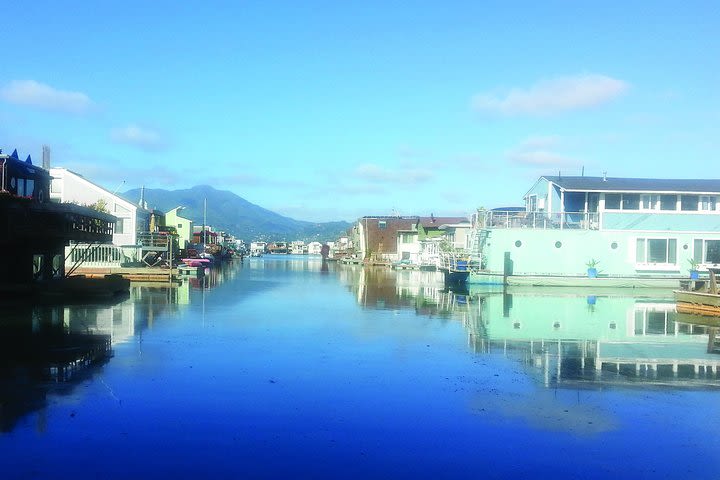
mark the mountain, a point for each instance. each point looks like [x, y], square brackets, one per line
[231, 213]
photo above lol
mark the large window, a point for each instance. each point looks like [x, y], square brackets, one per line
[120, 225]
[654, 251]
[689, 203]
[645, 201]
[382, 224]
[630, 201]
[708, 203]
[650, 202]
[706, 251]
[668, 202]
[612, 201]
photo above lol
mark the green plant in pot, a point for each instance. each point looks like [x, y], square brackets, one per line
[694, 268]
[592, 271]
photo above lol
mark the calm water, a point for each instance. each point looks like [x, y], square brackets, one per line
[278, 369]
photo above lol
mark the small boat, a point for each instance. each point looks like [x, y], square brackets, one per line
[196, 271]
[703, 301]
[197, 262]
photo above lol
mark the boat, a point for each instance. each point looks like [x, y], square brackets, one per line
[197, 262]
[705, 301]
[191, 270]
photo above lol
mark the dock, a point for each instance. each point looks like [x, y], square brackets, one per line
[134, 274]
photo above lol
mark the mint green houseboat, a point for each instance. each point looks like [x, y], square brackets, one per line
[636, 232]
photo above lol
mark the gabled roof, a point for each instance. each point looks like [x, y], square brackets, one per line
[659, 185]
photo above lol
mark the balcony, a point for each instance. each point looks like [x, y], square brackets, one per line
[541, 220]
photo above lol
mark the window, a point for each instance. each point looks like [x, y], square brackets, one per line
[29, 187]
[21, 187]
[654, 251]
[407, 237]
[382, 224]
[532, 203]
[612, 201]
[668, 202]
[706, 251]
[689, 203]
[630, 201]
[649, 202]
[120, 225]
[179, 226]
[707, 203]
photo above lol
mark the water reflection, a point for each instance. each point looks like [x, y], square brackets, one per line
[595, 339]
[41, 355]
[563, 337]
[50, 349]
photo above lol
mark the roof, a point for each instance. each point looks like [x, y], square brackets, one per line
[433, 221]
[610, 184]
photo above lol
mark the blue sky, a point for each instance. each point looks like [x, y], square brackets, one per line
[331, 110]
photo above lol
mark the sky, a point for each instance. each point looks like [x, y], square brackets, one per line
[327, 110]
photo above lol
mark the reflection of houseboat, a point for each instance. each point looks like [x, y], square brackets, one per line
[596, 338]
[642, 232]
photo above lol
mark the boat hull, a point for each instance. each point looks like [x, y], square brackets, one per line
[697, 302]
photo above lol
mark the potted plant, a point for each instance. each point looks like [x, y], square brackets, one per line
[693, 268]
[592, 268]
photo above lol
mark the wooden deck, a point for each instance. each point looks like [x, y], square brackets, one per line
[134, 274]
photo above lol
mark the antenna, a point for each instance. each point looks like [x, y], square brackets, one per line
[114, 191]
[46, 157]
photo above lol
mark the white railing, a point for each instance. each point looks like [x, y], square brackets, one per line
[541, 220]
[100, 256]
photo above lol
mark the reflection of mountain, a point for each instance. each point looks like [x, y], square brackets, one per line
[593, 340]
[39, 356]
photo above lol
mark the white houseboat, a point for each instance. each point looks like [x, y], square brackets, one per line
[634, 232]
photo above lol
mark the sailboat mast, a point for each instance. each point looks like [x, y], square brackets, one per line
[204, 220]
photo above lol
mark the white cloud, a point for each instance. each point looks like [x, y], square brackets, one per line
[142, 138]
[553, 96]
[539, 151]
[45, 97]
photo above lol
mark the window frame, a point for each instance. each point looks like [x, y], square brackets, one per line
[670, 254]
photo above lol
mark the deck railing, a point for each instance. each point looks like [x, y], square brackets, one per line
[541, 220]
[100, 256]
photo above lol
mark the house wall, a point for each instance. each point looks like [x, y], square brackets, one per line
[565, 252]
[408, 250]
[183, 225]
[382, 242]
[70, 187]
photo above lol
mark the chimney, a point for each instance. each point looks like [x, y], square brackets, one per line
[46, 157]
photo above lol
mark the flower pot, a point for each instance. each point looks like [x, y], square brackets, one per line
[592, 272]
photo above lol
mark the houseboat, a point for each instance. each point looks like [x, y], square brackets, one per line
[257, 249]
[601, 231]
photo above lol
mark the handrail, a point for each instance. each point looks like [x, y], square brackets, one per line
[540, 220]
